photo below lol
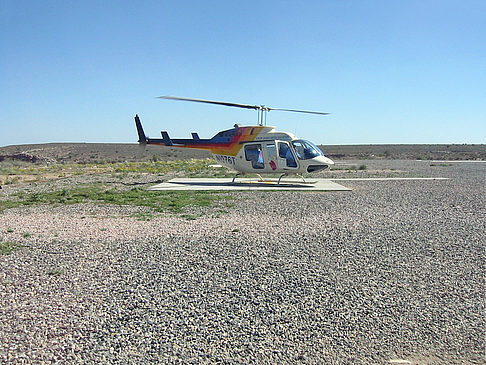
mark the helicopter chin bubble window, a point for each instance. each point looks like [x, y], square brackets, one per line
[254, 153]
[306, 150]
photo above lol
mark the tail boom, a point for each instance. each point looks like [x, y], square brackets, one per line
[214, 145]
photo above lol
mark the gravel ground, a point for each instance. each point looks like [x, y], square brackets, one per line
[392, 270]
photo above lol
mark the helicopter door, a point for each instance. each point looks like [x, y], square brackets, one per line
[286, 156]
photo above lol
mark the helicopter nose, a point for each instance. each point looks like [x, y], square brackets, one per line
[319, 163]
[323, 160]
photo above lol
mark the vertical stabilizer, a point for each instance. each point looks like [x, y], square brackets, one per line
[141, 135]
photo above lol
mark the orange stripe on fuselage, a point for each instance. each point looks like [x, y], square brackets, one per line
[230, 148]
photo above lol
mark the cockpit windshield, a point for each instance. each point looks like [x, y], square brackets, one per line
[306, 149]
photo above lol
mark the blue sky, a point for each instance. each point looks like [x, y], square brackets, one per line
[388, 71]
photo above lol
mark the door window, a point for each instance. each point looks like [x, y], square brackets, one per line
[254, 153]
[284, 151]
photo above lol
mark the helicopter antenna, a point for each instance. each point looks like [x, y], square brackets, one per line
[262, 109]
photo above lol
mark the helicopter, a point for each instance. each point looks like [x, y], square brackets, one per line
[257, 149]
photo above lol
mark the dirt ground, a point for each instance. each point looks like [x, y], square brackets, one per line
[116, 152]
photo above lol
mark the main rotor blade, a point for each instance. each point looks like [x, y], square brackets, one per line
[256, 107]
[298, 111]
[245, 106]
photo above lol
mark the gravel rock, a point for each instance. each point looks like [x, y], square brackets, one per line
[391, 270]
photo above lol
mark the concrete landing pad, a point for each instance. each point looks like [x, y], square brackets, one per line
[248, 184]
[390, 178]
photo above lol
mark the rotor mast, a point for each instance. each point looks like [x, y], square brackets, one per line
[262, 115]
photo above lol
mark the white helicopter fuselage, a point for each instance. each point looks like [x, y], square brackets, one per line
[273, 152]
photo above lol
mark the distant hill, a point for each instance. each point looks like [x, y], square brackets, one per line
[96, 153]
[117, 152]
[408, 151]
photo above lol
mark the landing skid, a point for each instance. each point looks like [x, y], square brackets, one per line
[305, 182]
[240, 174]
[277, 182]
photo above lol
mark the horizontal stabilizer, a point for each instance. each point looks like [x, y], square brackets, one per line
[166, 139]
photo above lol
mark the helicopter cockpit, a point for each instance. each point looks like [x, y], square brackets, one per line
[306, 150]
